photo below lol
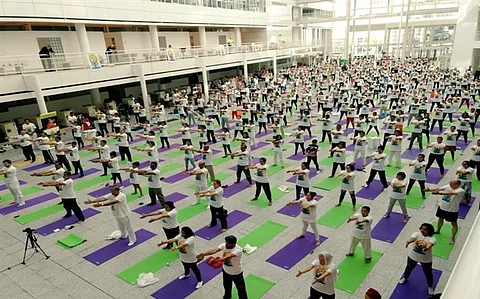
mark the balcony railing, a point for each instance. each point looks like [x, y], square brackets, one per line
[314, 15]
[25, 64]
[247, 5]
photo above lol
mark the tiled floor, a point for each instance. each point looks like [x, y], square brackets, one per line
[68, 275]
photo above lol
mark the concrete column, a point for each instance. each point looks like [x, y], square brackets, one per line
[139, 72]
[96, 99]
[347, 30]
[154, 37]
[205, 83]
[400, 30]
[245, 69]
[82, 37]
[203, 36]
[238, 36]
[275, 63]
[32, 83]
[314, 36]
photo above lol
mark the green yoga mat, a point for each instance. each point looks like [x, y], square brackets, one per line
[262, 234]
[336, 216]
[25, 191]
[328, 184]
[414, 198]
[262, 201]
[71, 241]
[256, 287]
[133, 197]
[328, 161]
[391, 171]
[86, 154]
[442, 248]
[153, 263]
[138, 157]
[277, 168]
[170, 166]
[39, 214]
[191, 211]
[221, 160]
[91, 182]
[219, 176]
[354, 270]
[175, 153]
[476, 185]
[269, 152]
[448, 158]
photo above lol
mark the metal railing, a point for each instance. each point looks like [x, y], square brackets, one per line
[25, 64]
[246, 5]
[315, 14]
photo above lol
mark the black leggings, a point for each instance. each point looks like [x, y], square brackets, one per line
[62, 160]
[439, 159]
[218, 213]
[370, 128]
[381, 174]
[299, 144]
[71, 205]
[80, 142]
[164, 141]
[298, 190]
[440, 124]
[305, 128]
[426, 267]
[266, 189]
[352, 196]
[78, 167]
[335, 166]
[239, 282]
[326, 133]
[227, 147]
[465, 135]
[245, 170]
[315, 161]
[171, 233]
[192, 266]
[28, 153]
[262, 125]
[314, 294]
[420, 182]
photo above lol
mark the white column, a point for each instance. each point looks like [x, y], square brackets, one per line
[96, 99]
[32, 83]
[275, 63]
[400, 30]
[238, 36]
[245, 68]
[82, 37]
[203, 36]
[369, 27]
[154, 37]
[205, 82]
[139, 72]
[347, 30]
[314, 36]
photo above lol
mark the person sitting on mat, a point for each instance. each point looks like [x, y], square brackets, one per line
[324, 276]
[169, 222]
[362, 233]
[308, 209]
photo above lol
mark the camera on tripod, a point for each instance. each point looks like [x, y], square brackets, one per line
[29, 230]
[32, 241]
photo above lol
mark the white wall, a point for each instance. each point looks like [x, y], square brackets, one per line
[464, 41]
[177, 39]
[254, 35]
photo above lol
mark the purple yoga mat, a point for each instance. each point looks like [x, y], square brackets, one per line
[105, 190]
[175, 136]
[37, 167]
[350, 147]
[388, 229]
[372, 191]
[433, 175]
[341, 122]
[461, 145]
[416, 287]
[262, 134]
[259, 145]
[411, 154]
[294, 210]
[86, 172]
[115, 248]
[61, 223]
[295, 251]
[172, 146]
[233, 218]
[233, 189]
[179, 289]
[4, 187]
[298, 157]
[464, 209]
[305, 138]
[148, 209]
[359, 163]
[214, 152]
[29, 203]
[176, 178]
[144, 164]
[313, 172]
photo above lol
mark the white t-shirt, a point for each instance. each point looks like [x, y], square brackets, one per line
[133, 176]
[336, 136]
[362, 230]
[348, 183]
[188, 253]
[58, 146]
[216, 201]
[66, 191]
[23, 139]
[326, 286]
[450, 138]
[43, 147]
[171, 221]
[10, 174]
[188, 151]
[226, 138]
[451, 203]
[105, 153]
[207, 157]
[74, 156]
[243, 159]
[467, 177]
[418, 172]
[154, 180]
[339, 155]
[303, 179]
[201, 178]
[120, 209]
[58, 173]
[417, 248]
[437, 148]
[476, 153]
[232, 266]
[152, 153]
[398, 193]
[396, 145]
[379, 164]
[308, 214]
[261, 173]
[185, 133]
[114, 165]
[299, 138]
[361, 143]
[122, 140]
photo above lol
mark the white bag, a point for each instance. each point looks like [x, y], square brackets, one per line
[145, 279]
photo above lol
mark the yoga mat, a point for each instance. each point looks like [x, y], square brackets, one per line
[172, 147]
[277, 168]
[269, 152]
[117, 247]
[25, 191]
[176, 177]
[153, 263]
[414, 198]
[297, 157]
[416, 287]
[391, 171]
[233, 189]
[71, 241]
[262, 234]
[313, 172]
[359, 163]
[354, 270]
[443, 249]
[295, 251]
[256, 287]
[86, 173]
[259, 145]
[37, 167]
[262, 201]
[61, 223]
[171, 166]
[328, 184]
[388, 229]
[221, 160]
[462, 146]
[328, 161]
[4, 187]
[294, 210]
[176, 196]
[176, 153]
[336, 216]
[464, 209]
[191, 211]
[133, 197]
[39, 214]
[411, 154]
[86, 154]
[29, 203]
[218, 175]
[372, 191]
[106, 189]
[433, 175]
[475, 185]
[180, 289]
[91, 182]
[233, 218]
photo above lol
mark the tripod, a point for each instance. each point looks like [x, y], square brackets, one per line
[33, 242]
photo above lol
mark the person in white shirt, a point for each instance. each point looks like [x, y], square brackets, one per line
[232, 266]
[185, 132]
[67, 194]
[302, 181]
[136, 110]
[420, 251]
[133, 176]
[77, 134]
[225, 136]
[464, 175]
[398, 194]
[123, 145]
[215, 202]
[261, 171]
[187, 252]
[151, 151]
[154, 184]
[168, 217]
[395, 148]
[299, 140]
[338, 158]
[200, 174]
[75, 158]
[475, 159]
[362, 233]
[29, 127]
[25, 142]
[324, 276]
[10, 174]
[336, 137]
[437, 154]
[102, 122]
[378, 166]
[59, 146]
[348, 185]
[417, 130]
[207, 156]
[360, 142]
[163, 132]
[45, 148]
[452, 195]
[451, 141]
[117, 201]
[112, 162]
[308, 209]
[418, 174]
[243, 161]
[189, 157]
[277, 142]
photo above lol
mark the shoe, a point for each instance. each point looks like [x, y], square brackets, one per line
[131, 243]
[318, 171]
[151, 204]
[81, 176]
[254, 199]
[269, 203]
[21, 204]
[199, 285]
[349, 254]
[60, 203]
[104, 175]
[402, 281]
[183, 276]
[365, 185]
[368, 260]
[223, 230]
[26, 160]
[33, 161]
[331, 176]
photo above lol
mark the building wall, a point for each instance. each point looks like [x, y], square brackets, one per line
[464, 41]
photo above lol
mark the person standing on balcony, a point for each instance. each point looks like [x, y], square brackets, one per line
[45, 57]
[110, 50]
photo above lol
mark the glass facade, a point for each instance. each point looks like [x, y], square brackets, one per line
[247, 5]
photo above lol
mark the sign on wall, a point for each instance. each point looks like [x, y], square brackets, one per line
[94, 62]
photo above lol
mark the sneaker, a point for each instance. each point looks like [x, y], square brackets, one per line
[183, 276]
[254, 199]
[199, 285]
[131, 243]
[365, 185]
[21, 204]
[402, 281]
[318, 171]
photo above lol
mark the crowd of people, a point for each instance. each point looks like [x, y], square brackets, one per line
[389, 96]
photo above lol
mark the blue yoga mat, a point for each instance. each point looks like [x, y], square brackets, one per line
[388, 229]
[61, 223]
[416, 286]
[29, 203]
[372, 191]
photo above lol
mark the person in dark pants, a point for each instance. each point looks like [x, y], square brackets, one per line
[215, 202]
[45, 148]
[475, 159]
[418, 174]
[243, 161]
[378, 166]
[417, 132]
[168, 217]
[262, 180]
[26, 144]
[45, 57]
[104, 150]
[123, 147]
[154, 184]
[75, 159]
[312, 151]
[437, 154]
[65, 190]
[60, 153]
[302, 180]
[232, 266]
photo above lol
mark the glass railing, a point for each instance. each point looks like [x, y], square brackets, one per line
[24, 64]
[246, 5]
